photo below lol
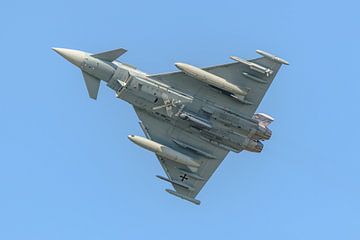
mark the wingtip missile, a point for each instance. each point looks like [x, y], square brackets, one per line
[193, 200]
[272, 57]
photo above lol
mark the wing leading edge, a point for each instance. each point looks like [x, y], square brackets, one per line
[255, 75]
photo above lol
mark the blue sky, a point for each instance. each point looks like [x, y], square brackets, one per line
[68, 171]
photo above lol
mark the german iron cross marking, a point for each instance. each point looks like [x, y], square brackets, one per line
[184, 177]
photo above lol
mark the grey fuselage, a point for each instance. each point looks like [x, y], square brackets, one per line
[211, 122]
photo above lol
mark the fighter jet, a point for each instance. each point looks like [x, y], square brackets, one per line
[191, 118]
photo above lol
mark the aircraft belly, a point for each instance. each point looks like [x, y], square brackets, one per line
[193, 118]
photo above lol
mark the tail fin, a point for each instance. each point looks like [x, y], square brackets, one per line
[263, 119]
[92, 85]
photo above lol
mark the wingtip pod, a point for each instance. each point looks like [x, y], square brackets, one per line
[193, 200]
[272, 57]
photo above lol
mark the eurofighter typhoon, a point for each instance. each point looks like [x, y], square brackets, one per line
[191, 118]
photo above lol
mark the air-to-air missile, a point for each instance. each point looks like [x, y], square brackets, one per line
[253, 66]
[272, 57]
[196, 120]
[165, 152]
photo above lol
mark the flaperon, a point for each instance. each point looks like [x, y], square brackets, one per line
[191, 119]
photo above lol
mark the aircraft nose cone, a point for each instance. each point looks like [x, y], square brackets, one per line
[73, 56]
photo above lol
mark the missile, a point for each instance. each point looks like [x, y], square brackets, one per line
[197, 120]
[272, 57]
[193, 200]
[210, 79]
[253, 66]
[176, 182]
[165, 152]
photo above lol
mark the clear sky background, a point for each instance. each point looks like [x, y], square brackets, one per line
[68, 171]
